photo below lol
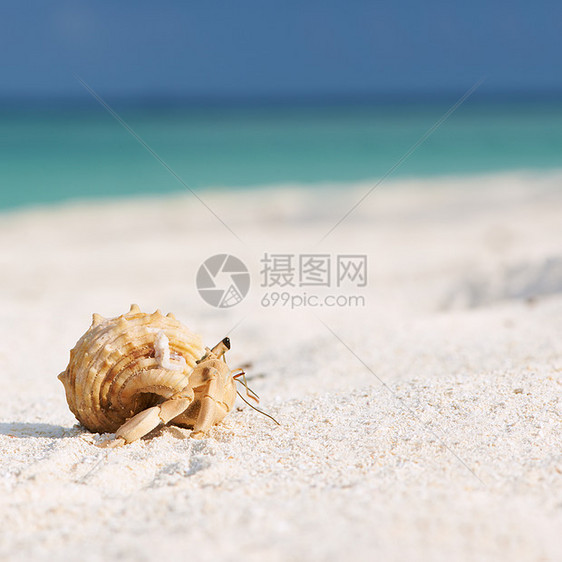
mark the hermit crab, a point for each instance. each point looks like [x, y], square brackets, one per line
[130, 374]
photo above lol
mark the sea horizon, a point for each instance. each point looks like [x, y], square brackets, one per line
[61, 149]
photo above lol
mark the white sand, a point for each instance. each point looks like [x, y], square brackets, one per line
[457, 456]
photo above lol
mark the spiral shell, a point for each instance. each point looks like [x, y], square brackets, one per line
[124, 365]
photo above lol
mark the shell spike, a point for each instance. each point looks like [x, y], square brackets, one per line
[97, 319]
[171, 316]
[135, 309]
[157, 313]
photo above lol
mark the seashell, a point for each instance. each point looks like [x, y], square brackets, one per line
[124, 365]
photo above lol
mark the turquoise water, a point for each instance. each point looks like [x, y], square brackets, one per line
[54, 154]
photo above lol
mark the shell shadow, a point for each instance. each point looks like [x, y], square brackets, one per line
[37, 430]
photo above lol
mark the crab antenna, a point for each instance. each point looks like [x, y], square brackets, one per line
[257, 409]
[222, 347]
[249, 392]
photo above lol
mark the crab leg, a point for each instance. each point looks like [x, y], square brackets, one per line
[147, 420]
[211, 410]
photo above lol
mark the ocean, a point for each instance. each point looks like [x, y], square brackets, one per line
[56, 153]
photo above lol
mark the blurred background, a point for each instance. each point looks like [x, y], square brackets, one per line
[259, 93]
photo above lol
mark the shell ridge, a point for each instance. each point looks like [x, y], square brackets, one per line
[153, 375]
[114, 362]
[98, 337]
[135, 333]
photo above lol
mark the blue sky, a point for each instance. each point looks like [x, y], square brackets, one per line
[261, 48]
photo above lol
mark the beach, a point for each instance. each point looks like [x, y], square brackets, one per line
[420, 418]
